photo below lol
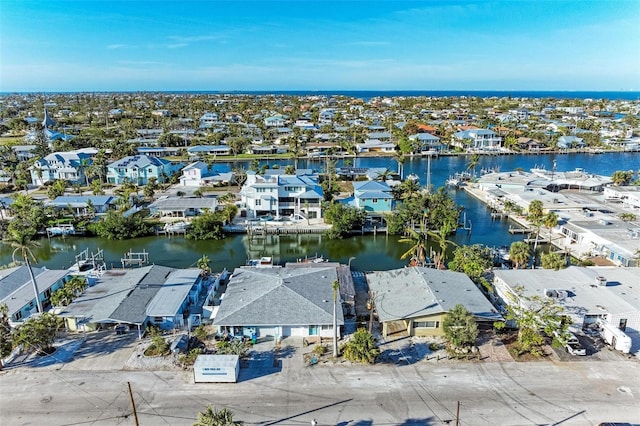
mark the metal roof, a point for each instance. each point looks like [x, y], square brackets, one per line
[173, 292]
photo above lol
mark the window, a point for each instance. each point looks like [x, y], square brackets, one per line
[374, 200]
[258, 202]
[261, 189]
[157, 319]
[150, 170]
[426, 324]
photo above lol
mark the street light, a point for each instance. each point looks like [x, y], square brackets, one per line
[350, 259]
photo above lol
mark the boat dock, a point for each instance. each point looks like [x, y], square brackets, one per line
[133, 259]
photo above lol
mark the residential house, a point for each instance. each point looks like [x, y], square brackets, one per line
[158, 151]
[567, 142]
[140, 168]
[373, 197]
[83, 205]
[413, 301]
[166, 297]
[628, 196]
[275, 121]
[209, 119]
[16, 289]
[182, 206]
[23, 152]
[374, 145]
[477, 140]
[69, 166]
[586, 294]
[282, 195]
[429, 142]
[201, 174]
[201, 150]
[280, 302]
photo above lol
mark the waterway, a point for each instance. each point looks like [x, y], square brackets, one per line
[369, 252]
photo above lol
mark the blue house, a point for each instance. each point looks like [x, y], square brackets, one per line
[82, 205]
[565, 142]
[140, 168]
[374, 197]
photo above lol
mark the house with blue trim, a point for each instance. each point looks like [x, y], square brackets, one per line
[83, 205]
[69, 166]
[16, 289]
[566, 142]
[374, 197]
[429, 142]
[477, 140]
[140, 168]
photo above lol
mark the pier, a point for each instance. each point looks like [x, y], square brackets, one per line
[133, 259]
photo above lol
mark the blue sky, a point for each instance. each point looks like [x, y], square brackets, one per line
[99, 45]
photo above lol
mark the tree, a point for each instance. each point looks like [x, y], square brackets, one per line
[6, 338]
[335, 286]
[440, 238]
[553, 261]
[418, 241]
[213, 417]
[57, 189]
[472, 260]
[207, 226]
[117, 226]
[38, 333]
[20, 240]
[621, 178]
[534, 316]
[204, 264]
[343, 219]
[361, 348]
[519, 253]
[536, 218]
[460, 327]
[550, 220]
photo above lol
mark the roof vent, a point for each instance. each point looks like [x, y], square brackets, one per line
[601, 281]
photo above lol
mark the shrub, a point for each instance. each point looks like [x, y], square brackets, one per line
[158, 347]
[362, 348]
[320, 350]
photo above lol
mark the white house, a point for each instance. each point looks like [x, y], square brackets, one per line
[68, 166]
[282, 195]
[478, 139]
[200, 174]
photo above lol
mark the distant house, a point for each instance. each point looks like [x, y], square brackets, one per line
[282, 195]
[158, 151]
[183, 206]
[69, 166]
[166, 297]
[139, 169]
[82, 205]
[23, 152]
[374, 145]
[201, 150]
[566, 142]
[477, 139]
[280, 302]
[275, 121]
[413, 301]
[429, 142]
[200, 174]
[16, 290]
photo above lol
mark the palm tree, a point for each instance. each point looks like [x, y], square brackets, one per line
[204, 264]
[550, 220]
[473, 162]
[213, 417]
[536, 217]
[440, 238]
[20, 240]
[335, 286]
[519, 253]
[418, 241]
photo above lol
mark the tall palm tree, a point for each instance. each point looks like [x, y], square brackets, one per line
[519, 253]
[20, 240]
[440, 238]
[204, 264]
[418, 241]
[550, 220]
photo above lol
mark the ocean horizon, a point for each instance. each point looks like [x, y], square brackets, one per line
[368, 94]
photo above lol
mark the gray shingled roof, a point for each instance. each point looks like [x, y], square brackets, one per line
[279, 296]
[133, 309]
[416, 292]
[16, 289]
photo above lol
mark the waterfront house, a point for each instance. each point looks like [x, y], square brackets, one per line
[373, 197]
[482, 140]
[69, 166]
[201, 174]
[158, 151]
[166, 297]
[375, 145]
[16, 289]
[282, 195]
[182, 207]
[201, 150]
[139, 169]
[586, 294]
[428, 142]
[280, 302]
[83, 205]
[566, 142]
[413, 301]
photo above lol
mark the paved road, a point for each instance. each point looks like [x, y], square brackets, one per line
[510, 393]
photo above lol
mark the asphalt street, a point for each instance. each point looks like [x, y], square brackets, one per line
[509, 393]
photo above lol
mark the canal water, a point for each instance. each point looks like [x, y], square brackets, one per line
[369, 252]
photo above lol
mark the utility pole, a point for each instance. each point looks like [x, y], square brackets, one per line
[372, 296]
[133, 405]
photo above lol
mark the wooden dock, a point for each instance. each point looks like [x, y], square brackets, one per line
[520, 230]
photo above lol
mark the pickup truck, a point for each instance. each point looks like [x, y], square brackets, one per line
[575, 348]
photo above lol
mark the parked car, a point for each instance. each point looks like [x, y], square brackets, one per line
[575, 348]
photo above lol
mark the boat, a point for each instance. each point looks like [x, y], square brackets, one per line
[62, 229]
[263, 262]
[178, 227]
